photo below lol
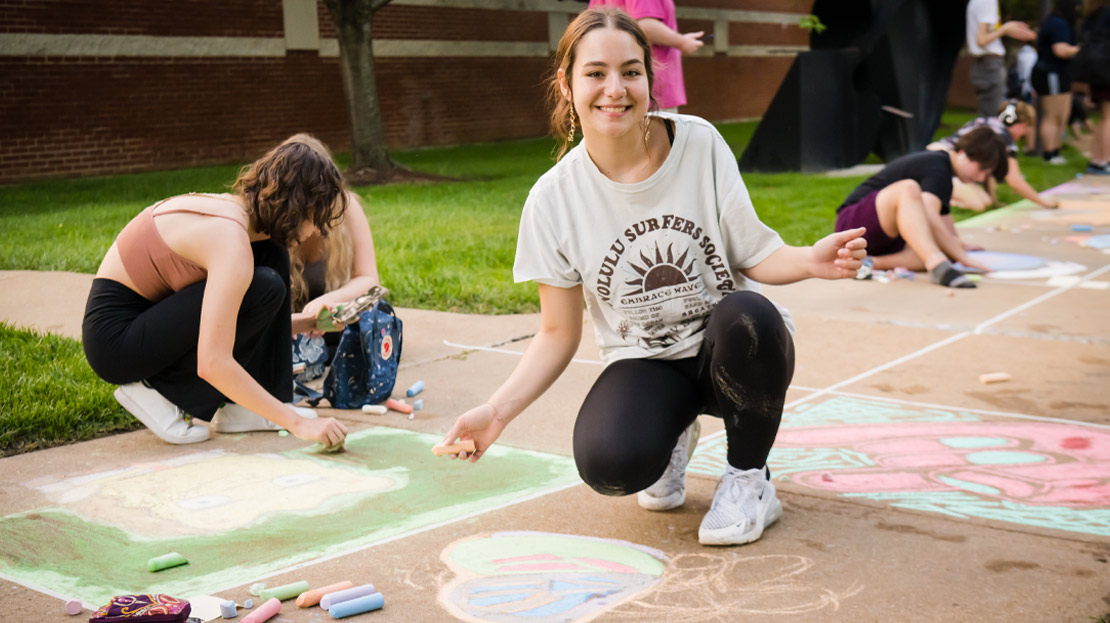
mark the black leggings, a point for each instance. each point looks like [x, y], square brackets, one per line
[636, 410]
[128, 339]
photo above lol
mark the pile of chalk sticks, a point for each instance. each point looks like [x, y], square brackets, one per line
[340, 600]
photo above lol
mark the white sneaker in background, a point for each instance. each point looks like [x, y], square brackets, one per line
[670, 490]
[743, 506]
[232, 418]
[161, 416]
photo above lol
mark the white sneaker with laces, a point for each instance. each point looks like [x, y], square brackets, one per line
[743, 506]
[670, 490]
[232, 418]
[161, 416]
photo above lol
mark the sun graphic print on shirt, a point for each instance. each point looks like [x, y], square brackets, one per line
[660, 290]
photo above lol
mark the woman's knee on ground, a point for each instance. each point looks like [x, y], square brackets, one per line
[745, 319]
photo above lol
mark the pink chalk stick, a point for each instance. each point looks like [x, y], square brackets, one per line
[74, 607]
[264, 612]
[329, 600]
[313, 597]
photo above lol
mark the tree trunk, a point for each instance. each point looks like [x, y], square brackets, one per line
[354, 20]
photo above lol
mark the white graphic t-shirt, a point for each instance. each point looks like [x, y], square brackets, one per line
[654, 257]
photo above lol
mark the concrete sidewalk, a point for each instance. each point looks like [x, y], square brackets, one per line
[911, 490]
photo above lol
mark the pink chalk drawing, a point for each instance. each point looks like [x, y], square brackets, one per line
[1050, 474]
[1031, 463]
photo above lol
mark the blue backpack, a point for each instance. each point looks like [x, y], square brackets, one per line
[364, 369]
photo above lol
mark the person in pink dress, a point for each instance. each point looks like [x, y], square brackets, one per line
[657, 19]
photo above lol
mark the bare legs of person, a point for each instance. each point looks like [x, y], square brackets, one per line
[1056, 109]
[906, 258]
[1100, 149]
[901, 211]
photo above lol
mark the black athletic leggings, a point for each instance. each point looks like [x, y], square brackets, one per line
[128, 339]
[636, 410]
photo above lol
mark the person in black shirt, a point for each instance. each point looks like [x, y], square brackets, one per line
[906, 204]
[1056, 45]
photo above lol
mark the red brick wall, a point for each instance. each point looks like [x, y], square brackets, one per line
[66, 116]
[181, 18]
[960, 91]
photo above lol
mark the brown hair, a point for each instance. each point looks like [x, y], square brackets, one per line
[988, 149]
[337, 256]
[592, 19]
[296, 181]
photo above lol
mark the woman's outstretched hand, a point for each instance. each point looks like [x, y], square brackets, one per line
[481, 424]
[839, 255]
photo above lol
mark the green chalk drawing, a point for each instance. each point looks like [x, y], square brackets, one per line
[85, 557]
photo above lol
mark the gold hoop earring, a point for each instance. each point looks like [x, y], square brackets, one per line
[570, 135]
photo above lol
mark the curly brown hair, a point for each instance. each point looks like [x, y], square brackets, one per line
[592, 19]
[296, 181]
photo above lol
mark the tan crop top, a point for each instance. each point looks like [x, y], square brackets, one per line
[157, 270]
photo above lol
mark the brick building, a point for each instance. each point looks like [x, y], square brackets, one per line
[104, 86]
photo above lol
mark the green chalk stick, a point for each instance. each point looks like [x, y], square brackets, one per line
[325, 321]
[172, 559]
[281, 593]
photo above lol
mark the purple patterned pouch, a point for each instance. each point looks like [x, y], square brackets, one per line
[143, 609]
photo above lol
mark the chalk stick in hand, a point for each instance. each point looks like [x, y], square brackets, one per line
[466, 445]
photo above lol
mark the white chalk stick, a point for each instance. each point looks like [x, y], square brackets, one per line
[994, 377]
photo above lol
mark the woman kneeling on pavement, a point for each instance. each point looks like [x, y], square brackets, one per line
[189, 311]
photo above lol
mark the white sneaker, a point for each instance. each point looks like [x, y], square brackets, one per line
[744, 504]
[161, 416]
[670, 490]
[232, 418]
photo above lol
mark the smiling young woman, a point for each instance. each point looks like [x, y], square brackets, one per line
[648, 220]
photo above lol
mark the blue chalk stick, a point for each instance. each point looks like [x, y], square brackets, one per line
[416, 388]
[1073, 228]
[417, 404]
[357, 606]
[227, 609]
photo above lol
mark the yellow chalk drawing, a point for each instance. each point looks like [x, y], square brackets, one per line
[215, 492]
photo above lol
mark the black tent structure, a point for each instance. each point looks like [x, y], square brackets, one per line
[876, 80]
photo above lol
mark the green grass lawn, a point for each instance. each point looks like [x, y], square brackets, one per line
[447, 246]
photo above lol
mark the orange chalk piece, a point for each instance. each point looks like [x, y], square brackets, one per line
[397, 405]
[311, 598]
[466, 445]
[994, 377]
